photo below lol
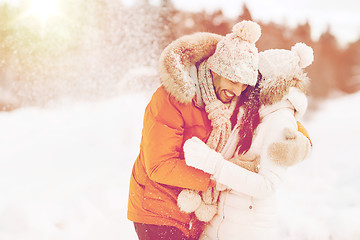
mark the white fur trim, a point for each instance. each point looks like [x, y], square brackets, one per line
[188, 200]
[248, 31]
[177, 60]
[298, 100]
[305, 53]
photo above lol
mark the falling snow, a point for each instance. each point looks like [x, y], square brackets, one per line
[82, 55]
[65, 169]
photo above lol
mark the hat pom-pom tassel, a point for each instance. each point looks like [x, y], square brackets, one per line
[305, 53]
[248, 31]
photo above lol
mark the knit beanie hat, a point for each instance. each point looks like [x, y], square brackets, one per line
[236, 57]
[283, 69]
[276, 64]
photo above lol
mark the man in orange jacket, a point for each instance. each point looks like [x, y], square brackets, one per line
[199, 92]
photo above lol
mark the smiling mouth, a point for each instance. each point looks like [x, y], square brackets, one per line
[228, 94]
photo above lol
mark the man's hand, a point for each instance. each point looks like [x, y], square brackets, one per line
[210, 196]
[249, 161]
[294, 149]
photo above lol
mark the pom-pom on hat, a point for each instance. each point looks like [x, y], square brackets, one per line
[285, 64]
[236, 57]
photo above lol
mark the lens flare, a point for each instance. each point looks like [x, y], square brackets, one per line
[43, 9]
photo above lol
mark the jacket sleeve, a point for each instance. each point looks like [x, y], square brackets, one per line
[163, 138]
[271, 175]
[258, 185]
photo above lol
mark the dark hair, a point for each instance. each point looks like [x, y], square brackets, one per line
[250, 102]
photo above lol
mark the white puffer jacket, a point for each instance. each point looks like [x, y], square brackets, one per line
[248, 211]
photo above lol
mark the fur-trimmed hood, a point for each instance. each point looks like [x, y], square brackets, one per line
[294, 89]
[294, 99]
[179, 57]
[273, 90]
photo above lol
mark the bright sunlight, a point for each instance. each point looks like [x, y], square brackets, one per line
[43, 9]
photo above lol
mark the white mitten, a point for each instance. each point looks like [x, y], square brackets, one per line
[188, 200]
[200, 156]
[291, 151]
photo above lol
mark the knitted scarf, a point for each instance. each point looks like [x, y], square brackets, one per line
[219, 113]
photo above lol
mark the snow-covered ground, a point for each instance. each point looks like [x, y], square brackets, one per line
[64, 172]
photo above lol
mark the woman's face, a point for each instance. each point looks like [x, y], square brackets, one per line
[226, 89]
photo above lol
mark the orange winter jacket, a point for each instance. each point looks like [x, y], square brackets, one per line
[160, 172]
[172, 116]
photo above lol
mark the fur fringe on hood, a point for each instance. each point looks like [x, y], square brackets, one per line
[177, 59]
[273, 90]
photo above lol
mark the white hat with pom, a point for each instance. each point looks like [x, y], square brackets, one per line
[236, 57]
[280, 63]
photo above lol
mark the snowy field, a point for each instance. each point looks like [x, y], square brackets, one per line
[64, 172]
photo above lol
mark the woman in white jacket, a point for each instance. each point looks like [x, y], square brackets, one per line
[247, 210]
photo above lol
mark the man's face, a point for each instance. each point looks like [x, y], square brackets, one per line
[226, 89]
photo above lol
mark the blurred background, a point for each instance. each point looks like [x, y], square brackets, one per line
[76, 76]
[90, 49]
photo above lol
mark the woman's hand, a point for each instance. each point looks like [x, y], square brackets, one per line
[200, 156]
